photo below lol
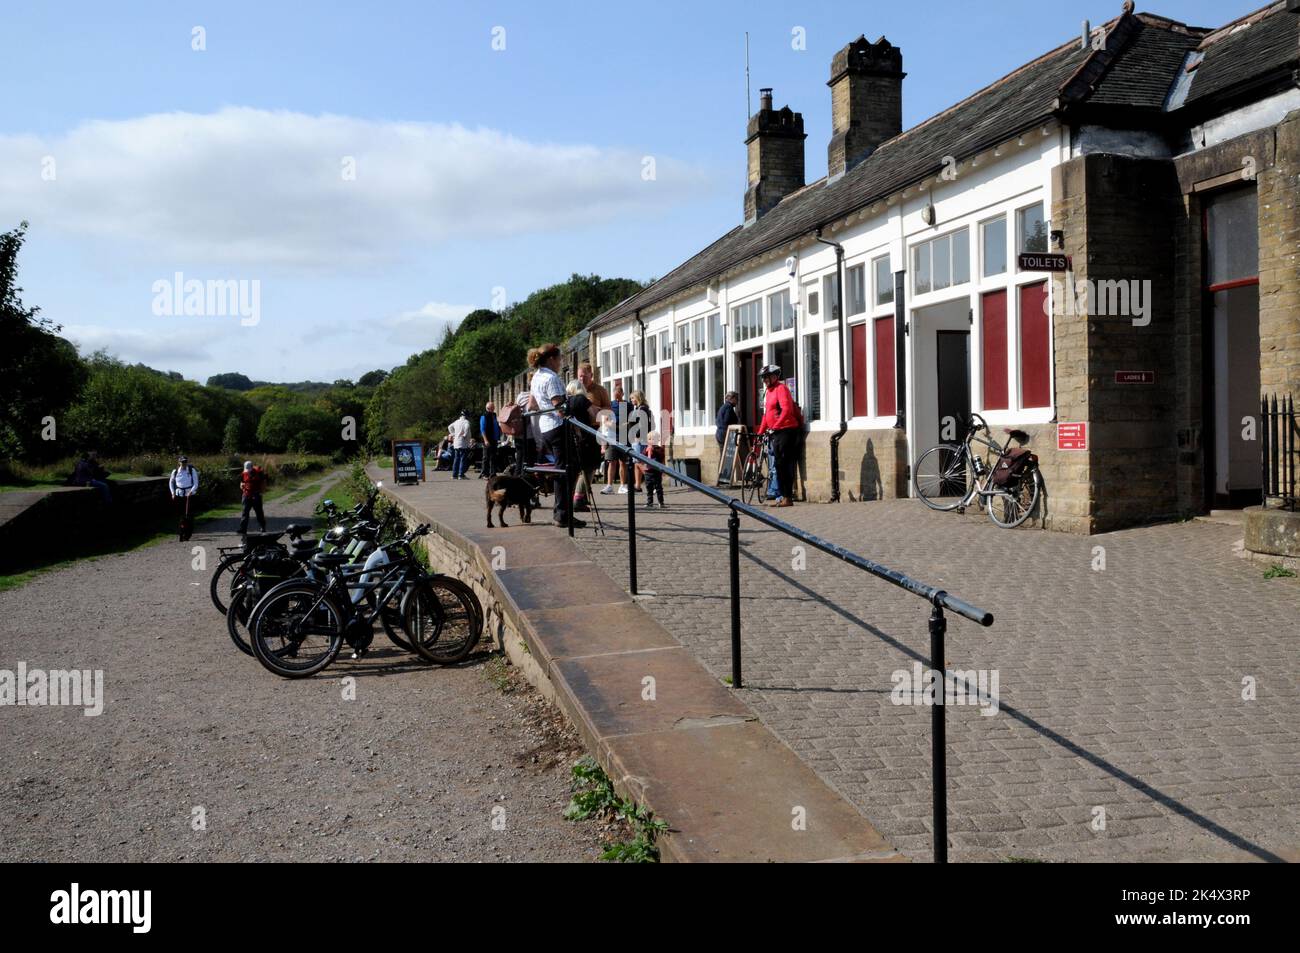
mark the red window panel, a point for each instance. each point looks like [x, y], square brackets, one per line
[858, 361]
[885, 367]
[993, 308]
[1035, 348]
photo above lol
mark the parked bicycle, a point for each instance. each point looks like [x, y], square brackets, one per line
[299, 626]
[1003, 480]
[755, 474]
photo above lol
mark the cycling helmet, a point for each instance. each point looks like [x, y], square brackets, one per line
[769, 369]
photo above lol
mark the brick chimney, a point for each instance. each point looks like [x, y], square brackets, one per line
[775, 141]
[866, 101]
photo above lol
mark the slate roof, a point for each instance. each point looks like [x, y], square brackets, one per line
[1135, 72]
[1144, 71]
[1239, 54]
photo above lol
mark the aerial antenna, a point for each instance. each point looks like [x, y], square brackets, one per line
[748, 109]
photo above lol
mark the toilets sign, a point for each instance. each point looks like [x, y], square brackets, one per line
[1072, 436]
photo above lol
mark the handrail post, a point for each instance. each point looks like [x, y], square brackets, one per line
[733, 532]
[631, 524]
[938, 739]
[566, 435]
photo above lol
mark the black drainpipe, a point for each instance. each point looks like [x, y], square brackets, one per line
[844, 381]
[641, 325]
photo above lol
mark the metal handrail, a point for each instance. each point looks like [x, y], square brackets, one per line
[932, 594]
[939, 599]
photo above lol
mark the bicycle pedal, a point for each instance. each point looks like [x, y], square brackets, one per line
[961, 510]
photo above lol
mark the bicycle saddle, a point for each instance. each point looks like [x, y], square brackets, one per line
[296, 530]
[252, 540]
[329, 560]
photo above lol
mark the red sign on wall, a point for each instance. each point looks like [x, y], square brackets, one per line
[1135, 377]
[1072, 436]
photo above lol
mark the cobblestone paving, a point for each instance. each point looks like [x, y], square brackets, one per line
[1120, 688]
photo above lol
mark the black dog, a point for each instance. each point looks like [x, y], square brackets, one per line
[503, 491]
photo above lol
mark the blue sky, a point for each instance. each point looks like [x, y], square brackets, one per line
[480, 174]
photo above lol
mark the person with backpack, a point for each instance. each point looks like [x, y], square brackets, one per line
[781, 416]
[252, 484]
[489, 429]
[184, 483]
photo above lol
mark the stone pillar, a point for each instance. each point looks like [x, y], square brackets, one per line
[1279, 265]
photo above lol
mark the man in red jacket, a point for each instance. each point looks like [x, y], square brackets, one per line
[252, 483]
[781, 415]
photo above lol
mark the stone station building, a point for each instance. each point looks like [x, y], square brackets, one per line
[1156, 164]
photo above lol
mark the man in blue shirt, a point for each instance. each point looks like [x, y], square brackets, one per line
[490, 431]
[727, 417]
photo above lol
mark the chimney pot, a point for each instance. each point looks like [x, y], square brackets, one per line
[866, 101]
[774, 140]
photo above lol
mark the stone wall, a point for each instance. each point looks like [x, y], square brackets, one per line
[41, 525]
[1117, 214]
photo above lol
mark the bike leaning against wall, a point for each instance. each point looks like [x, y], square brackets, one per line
[1002, 479]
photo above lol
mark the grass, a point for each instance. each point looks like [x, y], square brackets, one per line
[1278, 572]
[594, 797]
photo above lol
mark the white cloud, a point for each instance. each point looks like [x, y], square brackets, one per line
[252, 186]
[425, 327]
[147, 347]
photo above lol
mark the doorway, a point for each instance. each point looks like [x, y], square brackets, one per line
[940, 395]
[748, 364]
[1231, 359]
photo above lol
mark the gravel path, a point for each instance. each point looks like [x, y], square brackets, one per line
[194, 734]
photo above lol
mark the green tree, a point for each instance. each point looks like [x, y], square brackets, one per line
[233, 440]
[231, 382]
[297, 426]
[41, 372]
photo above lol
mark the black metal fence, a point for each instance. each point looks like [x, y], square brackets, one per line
[1280, 446]
[939, 600]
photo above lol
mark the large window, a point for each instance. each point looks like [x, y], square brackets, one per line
[884, 331]
[942, 262]
[715, 332]
[884, 280]
[1035, 347]
[701, 378]
[780, 312]
[811, 398]
[830, 294]
[652, 349]
[858, 368]
[856, 279]
[747, 320]
[1031, 227]
[993, 328]
[993, 245]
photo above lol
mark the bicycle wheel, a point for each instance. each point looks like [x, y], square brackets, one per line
[940, 477]
[224, 579]
[241, 607]
[443, 619]
[1009, 508]
[753, 481]
[296, 631]
[391, 619]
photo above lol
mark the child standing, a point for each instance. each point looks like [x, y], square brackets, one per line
[653, 479]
